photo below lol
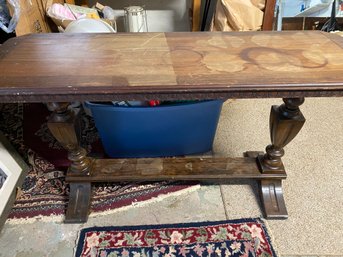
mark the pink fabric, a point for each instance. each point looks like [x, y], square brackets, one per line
[61, 12]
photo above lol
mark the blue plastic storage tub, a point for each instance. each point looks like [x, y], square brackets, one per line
[168, 130]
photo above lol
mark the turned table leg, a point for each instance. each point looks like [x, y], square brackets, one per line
[65, 127]
[286, 121]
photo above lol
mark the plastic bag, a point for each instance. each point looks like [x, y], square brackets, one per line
[7, 23]
[332, 23]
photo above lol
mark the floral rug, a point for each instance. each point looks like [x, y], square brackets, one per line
[44, 193]
[236, 238]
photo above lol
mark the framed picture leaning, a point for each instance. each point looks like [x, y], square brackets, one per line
[13, 170]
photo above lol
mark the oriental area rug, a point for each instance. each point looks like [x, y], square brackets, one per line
[236, 238]
[44, 194]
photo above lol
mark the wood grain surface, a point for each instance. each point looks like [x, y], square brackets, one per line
[64, 67]
[188, 168]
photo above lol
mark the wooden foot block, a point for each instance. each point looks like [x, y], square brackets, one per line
[272, 199]
[79, 202]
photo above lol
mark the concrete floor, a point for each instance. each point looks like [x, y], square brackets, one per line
[313, 190]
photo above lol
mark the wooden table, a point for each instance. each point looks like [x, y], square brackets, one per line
[59, 68]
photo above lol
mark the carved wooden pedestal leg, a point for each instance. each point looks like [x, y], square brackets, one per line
[286, 121]
[65, 127]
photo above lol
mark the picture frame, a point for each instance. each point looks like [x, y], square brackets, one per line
[13, 170]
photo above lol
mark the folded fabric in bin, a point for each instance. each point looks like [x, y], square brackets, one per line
[166, 130]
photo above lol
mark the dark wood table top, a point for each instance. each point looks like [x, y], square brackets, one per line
[64, 67]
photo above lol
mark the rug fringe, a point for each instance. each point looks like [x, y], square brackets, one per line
[40, 218]
[149, 201]
[271, 236]
[60, 218]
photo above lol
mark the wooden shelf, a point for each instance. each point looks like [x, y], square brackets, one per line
[313, 9]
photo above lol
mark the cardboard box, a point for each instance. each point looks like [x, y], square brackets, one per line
[62, 24]
[33, 18]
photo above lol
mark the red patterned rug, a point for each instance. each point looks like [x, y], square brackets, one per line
[236, 238]
[45, 192]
